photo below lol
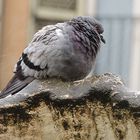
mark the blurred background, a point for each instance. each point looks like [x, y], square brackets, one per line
[20, 19]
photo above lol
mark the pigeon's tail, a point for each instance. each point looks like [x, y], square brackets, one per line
[15, 85]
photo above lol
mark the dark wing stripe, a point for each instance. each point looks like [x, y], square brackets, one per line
[30, 64]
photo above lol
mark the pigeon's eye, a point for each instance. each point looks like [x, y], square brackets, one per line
[99, 28]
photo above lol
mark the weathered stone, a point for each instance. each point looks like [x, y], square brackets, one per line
[100, 107]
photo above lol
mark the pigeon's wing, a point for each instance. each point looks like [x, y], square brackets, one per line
[35, 57]
[15, 85]
[33, 62]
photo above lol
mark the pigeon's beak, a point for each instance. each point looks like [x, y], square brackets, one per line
[102, 39]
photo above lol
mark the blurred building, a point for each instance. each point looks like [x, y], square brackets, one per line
[19, 20]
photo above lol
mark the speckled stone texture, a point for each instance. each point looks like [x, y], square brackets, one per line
[97, 108]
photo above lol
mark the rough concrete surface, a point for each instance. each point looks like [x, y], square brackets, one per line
[98, 108]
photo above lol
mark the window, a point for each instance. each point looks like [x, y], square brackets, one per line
[47, 12]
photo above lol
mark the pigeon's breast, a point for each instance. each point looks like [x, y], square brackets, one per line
[68, 62]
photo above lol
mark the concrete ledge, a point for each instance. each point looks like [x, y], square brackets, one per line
[101, 107]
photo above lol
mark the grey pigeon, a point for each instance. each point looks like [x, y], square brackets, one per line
[64, 50]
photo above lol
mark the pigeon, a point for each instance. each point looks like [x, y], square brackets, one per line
[65, 50]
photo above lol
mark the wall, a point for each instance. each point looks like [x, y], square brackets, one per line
[14, 34]
[0, 19]
[135, 69]
[115, 55]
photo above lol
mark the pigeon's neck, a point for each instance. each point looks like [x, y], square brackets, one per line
[79, 26]
[86, 30]
[88, 37]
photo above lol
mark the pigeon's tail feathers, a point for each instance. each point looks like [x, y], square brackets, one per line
[15, 85]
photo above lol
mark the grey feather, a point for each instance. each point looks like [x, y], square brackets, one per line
[64, 50]
[15, 85]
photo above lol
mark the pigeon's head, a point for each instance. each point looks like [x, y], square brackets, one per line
[90, 23]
